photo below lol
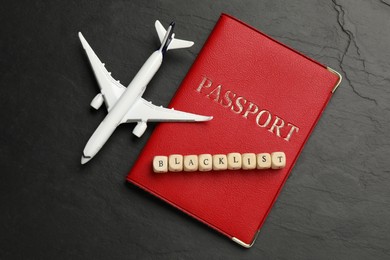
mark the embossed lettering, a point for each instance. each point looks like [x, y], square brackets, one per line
[239, 105]
[206, 83]
[293, 128]
[276, 126]
[266, 121]
[227, 101]
[252, 109]
[215, 93]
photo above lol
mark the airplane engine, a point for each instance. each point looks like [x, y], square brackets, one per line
[140, 129]
[97, 101]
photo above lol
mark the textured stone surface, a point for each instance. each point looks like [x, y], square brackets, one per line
[335, 205]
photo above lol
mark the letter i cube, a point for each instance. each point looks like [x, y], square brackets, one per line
[248, 161]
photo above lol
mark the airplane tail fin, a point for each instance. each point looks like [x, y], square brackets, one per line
[174, 43]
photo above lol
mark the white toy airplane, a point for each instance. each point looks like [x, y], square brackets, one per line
[126, 105]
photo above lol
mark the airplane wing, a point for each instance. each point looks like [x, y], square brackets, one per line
[110, 88]
[145, 111]
[175, 43]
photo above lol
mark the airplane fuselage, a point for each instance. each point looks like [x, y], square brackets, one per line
[115, 116]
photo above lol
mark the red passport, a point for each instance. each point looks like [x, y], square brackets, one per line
[264, 97]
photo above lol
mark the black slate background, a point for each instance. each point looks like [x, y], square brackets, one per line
[335, 205]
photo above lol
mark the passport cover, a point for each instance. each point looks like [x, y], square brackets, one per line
[264, 97]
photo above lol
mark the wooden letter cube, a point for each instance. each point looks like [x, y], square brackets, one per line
[219, 162]
[205, 162]
[263, 161]
[248, 161]
[278, 160]
[160, 164]
[190, 163]
[175, 163]
[234, 161]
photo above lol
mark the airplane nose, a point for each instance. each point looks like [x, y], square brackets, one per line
[84, 159]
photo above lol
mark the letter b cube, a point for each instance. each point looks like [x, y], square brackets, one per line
[160, 164]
